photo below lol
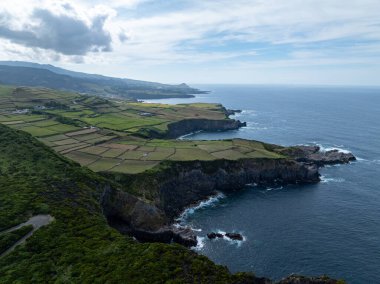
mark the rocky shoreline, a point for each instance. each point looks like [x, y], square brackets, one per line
[182, 184]
[179, 185]
[166, 193]
[187, 126]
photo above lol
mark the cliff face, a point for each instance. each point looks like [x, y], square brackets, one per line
[187, 126]
[179, 184]
[314, 155]
[187, 183]
[165, 192]
[128, 213]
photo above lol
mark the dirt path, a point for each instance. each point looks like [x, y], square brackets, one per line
[37, 222]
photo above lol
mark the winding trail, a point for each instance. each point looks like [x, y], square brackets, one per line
[37, 222]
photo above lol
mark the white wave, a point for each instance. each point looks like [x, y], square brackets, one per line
[248, 112]
[332, 166]
[326, 149]
[328, 180]
[371, 162]
[187, 135]
[200, 244]
[367, 161]
[361, 159]
[231, 241]
[274, 188]
[203, 204]
[254, 127]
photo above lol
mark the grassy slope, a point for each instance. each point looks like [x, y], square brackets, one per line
[79, 246]
[129, 117]
[58, 126]
[29, 74]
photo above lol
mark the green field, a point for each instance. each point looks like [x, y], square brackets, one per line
[106, 135]
[79, 246]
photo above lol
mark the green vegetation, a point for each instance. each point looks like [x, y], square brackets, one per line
[32, 74]
[79, 246]
[8, 239]
[81, 110]
[114, 135]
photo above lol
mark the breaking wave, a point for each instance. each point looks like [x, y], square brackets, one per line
[328, 180]
[212, 201]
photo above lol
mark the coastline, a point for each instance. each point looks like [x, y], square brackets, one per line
[179, 187]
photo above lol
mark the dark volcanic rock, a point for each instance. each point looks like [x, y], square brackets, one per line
[184, 236]
[127, 212]
[313, 155]
[213, 235]
[234, 236]
[189, 182]
[232, 111]
[331, 157]
[298, 279]
[182, 127]
[160, 236]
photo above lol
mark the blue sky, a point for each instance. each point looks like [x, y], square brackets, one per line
[242, 41]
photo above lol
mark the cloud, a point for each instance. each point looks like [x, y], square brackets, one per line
[121, 36]
[64, 33]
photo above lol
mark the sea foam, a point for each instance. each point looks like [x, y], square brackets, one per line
[212, 201]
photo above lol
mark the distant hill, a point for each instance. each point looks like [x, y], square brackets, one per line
[21, 73]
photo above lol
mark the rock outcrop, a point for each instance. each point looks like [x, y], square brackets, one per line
[234, 236]
[298, 279]
[213, 235]
[183, 127]
[180, 184]
[314, 155]
[144, 221]
[185, 183]
[128, 213]
[231, 236]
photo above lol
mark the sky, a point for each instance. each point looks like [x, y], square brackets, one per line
[200, 41]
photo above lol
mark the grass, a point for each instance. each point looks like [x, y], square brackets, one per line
[65, 142]
[104, 164]
[229, 155]
[190, 155]
[134, 166]
[119, 124]
[65, 148]
[86, 110]
[62, 128]
[82, 158]
[79, 246]
[38, 131]
[7, 240]
[112, 153]
[95, 150]
[132, 155]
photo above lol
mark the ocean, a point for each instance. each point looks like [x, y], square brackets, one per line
[328, 228]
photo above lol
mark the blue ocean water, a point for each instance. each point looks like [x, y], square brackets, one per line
[328, 228]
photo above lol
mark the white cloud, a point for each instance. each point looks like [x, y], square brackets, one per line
[240, 32]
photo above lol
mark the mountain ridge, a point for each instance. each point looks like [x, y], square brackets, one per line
[46, 75]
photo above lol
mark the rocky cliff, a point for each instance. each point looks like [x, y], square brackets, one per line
[314, 155]
[186, 183]
[163, 193]
[183, 127]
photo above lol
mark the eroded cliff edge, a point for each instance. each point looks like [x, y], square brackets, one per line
[164, 192]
